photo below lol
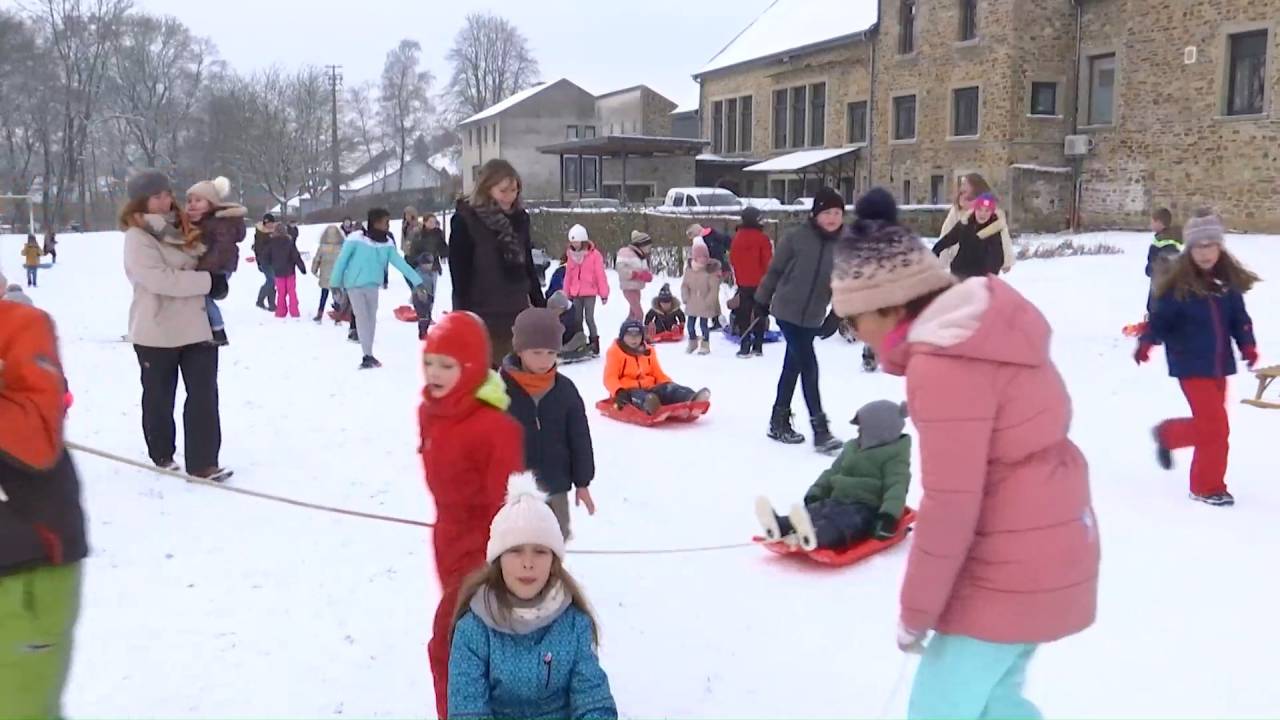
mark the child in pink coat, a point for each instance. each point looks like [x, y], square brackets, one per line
[585, 280]
[1006, 550]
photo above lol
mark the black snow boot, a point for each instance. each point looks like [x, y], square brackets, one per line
[869, 360]
[823, 440]
[595, 345]
[1164, 456]
[780, 427]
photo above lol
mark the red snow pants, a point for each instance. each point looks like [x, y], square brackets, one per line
[460, 544]
[1207, 430]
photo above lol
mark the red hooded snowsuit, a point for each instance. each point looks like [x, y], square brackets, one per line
[470, 446]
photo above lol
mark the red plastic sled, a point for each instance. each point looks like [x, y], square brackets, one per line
[677, 412]
[847, 556]
[406, 313]
[675, 334]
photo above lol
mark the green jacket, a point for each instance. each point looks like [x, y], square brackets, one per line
[878, 477]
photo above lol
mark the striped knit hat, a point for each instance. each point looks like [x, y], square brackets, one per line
[1204, 229]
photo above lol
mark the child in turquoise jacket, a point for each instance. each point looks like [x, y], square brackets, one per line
[524, 642]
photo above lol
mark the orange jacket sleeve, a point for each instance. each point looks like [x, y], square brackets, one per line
[613, 370]
[32, 389]
[659, 377]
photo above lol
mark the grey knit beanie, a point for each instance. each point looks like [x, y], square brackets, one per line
[1204, 229]
[145, 183]
[536, 329]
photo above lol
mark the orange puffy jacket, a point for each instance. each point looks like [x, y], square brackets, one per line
[625, 369]
[32, 389]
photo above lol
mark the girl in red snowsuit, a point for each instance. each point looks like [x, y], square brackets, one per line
[470, 446]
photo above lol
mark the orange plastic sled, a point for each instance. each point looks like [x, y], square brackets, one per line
[676, 412]
[675, 334]
[846, 556]
[406, 313]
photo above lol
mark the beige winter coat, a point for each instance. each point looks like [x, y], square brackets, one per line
[327, 255]
[957, 216]
[700, 290]
[168, 308]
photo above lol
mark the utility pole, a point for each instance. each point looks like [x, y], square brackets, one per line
[335, 80]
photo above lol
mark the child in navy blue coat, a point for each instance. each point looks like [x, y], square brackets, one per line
[524, 641]
[1198, 311]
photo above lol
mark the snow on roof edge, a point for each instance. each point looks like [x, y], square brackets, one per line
[786, 27]
[510, 102]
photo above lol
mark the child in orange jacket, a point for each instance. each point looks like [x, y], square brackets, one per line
[633, 375]
[470, 447]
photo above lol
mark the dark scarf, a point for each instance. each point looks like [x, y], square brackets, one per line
[499, 223]
[378, 236]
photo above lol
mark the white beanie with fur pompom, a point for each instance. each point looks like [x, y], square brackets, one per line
[525, 519]
[215, 190]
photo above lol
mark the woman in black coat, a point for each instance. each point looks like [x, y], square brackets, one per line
[491, 255]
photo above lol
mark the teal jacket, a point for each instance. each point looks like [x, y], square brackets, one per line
[363, 263]
[878, 477]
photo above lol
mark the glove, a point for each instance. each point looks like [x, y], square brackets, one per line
[218, 286]
[886, 526]
[643, 275]
[830, 325]
[910, 641]
[1143, 353]
[1250, 355]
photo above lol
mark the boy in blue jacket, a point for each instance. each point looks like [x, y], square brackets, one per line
[360, 270]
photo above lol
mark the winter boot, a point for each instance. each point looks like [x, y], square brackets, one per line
[692, 346]
[595, 346]
[704, 346]
[869, 361]
[1224, 499]
[1164, 456]
[652, 404]
[823, 440]
[803, 524]
[318, 318]
[220, 338]
[780, 427]
[369, 363]
[169, 465]
[213, 474]
[703, 395]
[744, 348]
[768, 520]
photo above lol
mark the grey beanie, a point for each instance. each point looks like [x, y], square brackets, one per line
[145, 183]
[880, 423]
[1204, 229]
[536, 329]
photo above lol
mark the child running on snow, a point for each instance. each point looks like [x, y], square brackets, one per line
[1164, 251]
[1006, 550]
[980, 250]
[470, 447]
[524, 636]
[557, 438]
[1199, 309]
[633, 376]
[665, 314]
[863, 494]
[585, 280]
[700, 290]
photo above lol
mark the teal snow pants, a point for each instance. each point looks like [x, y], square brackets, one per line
[961, 678]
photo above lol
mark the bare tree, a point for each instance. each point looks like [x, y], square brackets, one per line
[405, 99]
[309, 105]
[491, 62]
[25, 86]
[362, 121]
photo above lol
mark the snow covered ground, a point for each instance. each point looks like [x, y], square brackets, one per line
[200, 603]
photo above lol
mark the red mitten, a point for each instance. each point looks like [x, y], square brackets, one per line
[1250, 355]
[1143, 353]
[644, 275]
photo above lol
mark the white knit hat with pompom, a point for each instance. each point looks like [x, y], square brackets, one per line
[215, 190]
[525, 519]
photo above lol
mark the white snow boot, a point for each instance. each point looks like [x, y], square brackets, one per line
[803, 525]
[692, 346]
[768, 520]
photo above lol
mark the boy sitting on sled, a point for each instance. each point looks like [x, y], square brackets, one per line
[665, 315]
[633, 375]
[862, 495]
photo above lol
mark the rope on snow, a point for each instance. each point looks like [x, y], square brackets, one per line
[357, 513]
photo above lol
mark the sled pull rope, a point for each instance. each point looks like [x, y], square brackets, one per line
[356, 513]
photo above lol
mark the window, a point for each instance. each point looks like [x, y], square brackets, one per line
[856, 122]
[590, 174]
[589, 131]
[717, 126]
[731, 127]
[475, 174]
[936, 187]
[799, 106]
[485, 133]
[847, 188]
[904, 117]
[571, 132]
[744, 120]
[907, 27]
[1102, 89]
[906, 192]
[964, 112]
[779, 119]
[678, 200]
[968, 20]
[471, 137]
[1044, 98]
[778, 190]
[817, 115]
[571, 174]
[495, 133]
[1246, 79]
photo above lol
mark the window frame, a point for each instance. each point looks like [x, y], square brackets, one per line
[571, 177]
[731, 127]
[954, 129]
[1057, 98]
[798, 108]
[908, 29]
[781, 130]
[746, 118]
[938, 197]
[717, 126]
[906, 191]
[1229, 67]
[968, 30]
[1089, 89]
[848, 122]
[588, 131]
[817, 124]
[915, 117]
[590, 174]
[571, 132]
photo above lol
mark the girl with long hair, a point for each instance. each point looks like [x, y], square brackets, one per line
[969, 188]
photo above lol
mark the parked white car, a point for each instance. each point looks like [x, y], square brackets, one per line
[700, 197]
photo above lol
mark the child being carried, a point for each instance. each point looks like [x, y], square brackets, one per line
[862, 495]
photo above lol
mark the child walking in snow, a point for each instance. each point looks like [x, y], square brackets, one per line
[980, 250]
[632, 265]
[863, 494]
[585, 280]
[283, 255]
[470, 446]
[31, 253]
[1164, 251]
[665, 314]
[557, 438]
[1006, 547]
[524, 637]
[221, 225]
[633, 376]
[700, 290]
[1198, 311]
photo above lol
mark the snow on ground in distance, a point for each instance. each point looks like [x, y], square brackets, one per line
[200, 603]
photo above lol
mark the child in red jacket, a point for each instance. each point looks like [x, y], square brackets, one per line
[470, 446]
[750, 254]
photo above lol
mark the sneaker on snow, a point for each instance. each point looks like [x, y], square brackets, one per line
[213, 474]
[768, 519]
[169, 465]
[1164, 457]
[758, 352]
[352, 338]
[803, 525]
[744, 353]
[1217, 500]
[369, 362]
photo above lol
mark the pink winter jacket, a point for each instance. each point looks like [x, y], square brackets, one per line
[1006, 544]
[587, 278]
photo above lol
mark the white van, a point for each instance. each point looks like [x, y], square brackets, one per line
[701, 197]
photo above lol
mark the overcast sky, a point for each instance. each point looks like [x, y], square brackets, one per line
[600, 46]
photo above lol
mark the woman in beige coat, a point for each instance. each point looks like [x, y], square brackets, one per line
[322, 267]
[971, 187]
[169, 327]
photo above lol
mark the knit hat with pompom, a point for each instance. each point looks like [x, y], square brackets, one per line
[215, 191]
[881, 264]
[525, 519]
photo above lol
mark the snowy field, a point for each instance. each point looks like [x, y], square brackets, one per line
[200, 603]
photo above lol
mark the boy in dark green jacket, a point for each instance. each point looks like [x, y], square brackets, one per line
[862, 495]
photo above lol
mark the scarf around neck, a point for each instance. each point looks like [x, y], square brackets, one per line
[499, 223]
[525, 617]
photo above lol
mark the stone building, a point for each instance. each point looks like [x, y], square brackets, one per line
[1165, 102]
